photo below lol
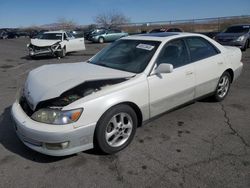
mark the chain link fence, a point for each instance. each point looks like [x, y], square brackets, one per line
[191, 25]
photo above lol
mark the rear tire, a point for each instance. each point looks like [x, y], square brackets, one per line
[223, 87]
[101, 40]
[115, 129]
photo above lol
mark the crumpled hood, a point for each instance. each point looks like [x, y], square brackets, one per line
[42, 42]
[50, 81]
[229, 35]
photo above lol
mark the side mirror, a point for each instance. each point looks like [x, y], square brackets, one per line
[164, 68]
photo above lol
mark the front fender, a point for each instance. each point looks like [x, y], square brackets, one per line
[136, 93]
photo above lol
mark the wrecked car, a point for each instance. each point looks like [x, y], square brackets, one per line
[68, 108]
[55, 43]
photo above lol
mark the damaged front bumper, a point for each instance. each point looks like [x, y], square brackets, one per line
[53, 50]
[54, 140]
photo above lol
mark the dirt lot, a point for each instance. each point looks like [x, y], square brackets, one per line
[204, 144]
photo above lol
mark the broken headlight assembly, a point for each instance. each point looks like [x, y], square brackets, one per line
[30, 46]
[56, 46]
[56, 116]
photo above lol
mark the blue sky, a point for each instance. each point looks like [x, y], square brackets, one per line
[15, 13]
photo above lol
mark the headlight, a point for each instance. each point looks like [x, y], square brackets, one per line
[56, 117]
[241, 38]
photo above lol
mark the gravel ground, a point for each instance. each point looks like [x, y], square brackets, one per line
[203, 144]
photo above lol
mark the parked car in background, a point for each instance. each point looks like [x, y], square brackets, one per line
[33, 33]
[12, 34]
[68, 108]
[3, 34]
[36, 33]
[236, 35]
[107, 35]
[8, 33]
[88, 34]
[21, 33]
[55, 43]
[209, 34]
[160, 30]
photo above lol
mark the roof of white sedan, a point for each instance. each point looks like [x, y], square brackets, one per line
[160, 36]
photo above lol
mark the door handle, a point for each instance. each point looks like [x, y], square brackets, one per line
[220, 63]
[189, 73]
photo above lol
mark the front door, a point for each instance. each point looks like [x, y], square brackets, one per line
[169, 90]
[73, 44]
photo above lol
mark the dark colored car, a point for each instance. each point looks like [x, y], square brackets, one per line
[159, 30]
[36, 34]
[89, 34]
[12, 35]
[236, 35]
[209, 34]
[33, 33]
[3, 34]
[22, 34]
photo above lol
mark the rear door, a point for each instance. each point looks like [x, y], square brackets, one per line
[112, 35]
[172, 89]
[208, 64]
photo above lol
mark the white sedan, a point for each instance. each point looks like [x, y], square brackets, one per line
[68, 108]
[55, 43]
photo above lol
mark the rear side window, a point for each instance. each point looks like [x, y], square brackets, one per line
[200, 48]
[175, 53]
[117, 31]
[111, 31]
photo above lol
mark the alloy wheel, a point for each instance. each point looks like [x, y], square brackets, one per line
[223, 86]
[119, 129]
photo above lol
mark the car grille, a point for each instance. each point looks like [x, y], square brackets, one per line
[225, 39]
[25, 106]
[37, 48]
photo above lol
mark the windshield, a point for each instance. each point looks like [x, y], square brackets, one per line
[50, 36]
[238, 29]
[70, 35]
[98, 32]
[127, 55]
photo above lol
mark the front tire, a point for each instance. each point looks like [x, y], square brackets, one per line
[62, 53]
[115, 129]
[246, 46]
[223, 87]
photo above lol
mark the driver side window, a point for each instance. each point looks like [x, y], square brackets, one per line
[175, 53]
[110, 31]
